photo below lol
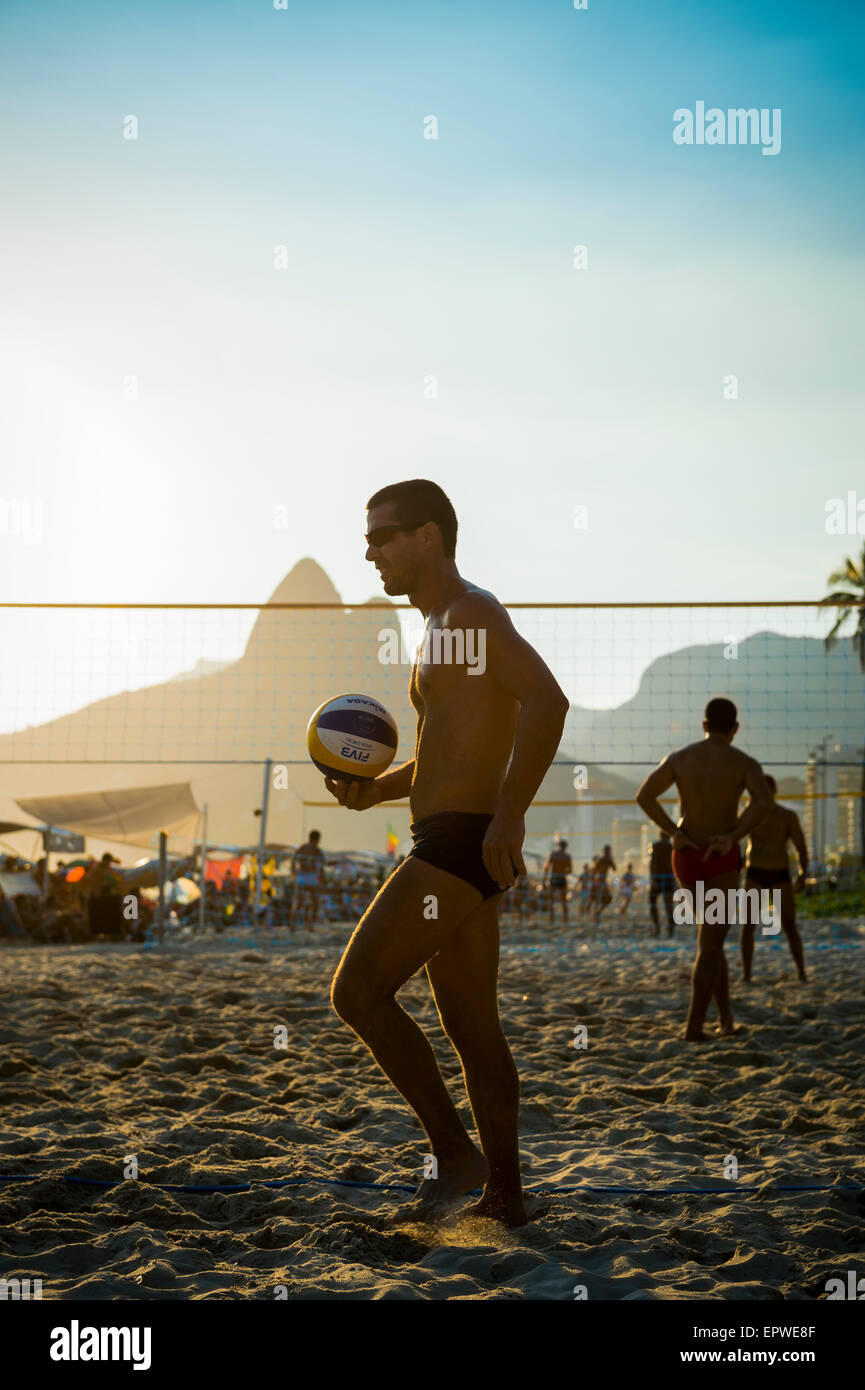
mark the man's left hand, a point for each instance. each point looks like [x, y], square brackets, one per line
[503, 848]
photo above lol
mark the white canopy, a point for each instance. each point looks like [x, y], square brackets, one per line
[130, 815]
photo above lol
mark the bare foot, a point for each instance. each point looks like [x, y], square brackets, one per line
[728, 1029]
[506, 1207]
[685, 1036]
[436, 1196]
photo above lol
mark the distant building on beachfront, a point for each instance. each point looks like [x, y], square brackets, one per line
[833, 784]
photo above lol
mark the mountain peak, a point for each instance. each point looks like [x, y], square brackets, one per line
[306, 582]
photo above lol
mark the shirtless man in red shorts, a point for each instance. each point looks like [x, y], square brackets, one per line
[710, 777]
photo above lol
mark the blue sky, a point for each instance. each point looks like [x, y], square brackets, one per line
[407, 257]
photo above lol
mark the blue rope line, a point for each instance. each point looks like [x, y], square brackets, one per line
[404, 1187]
[572, 943]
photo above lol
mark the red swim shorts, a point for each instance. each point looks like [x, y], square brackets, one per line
[689, 866]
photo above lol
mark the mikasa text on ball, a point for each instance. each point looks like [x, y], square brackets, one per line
[352, 736]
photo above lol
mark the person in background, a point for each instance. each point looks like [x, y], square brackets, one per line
[556, 870]
[585, 891]
[662, 882]
[10, 918]
[519, 895]
[307, 864]
[768, 868]
[101, 887]
[626, 890]
[710, 776]
[601, 895]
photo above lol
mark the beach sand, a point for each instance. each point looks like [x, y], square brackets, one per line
[168, 1054]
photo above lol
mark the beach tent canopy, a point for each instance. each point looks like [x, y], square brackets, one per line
[8, 827]
[130, 815]
[60, 841]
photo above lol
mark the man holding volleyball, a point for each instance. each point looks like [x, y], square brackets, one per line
[486, 734]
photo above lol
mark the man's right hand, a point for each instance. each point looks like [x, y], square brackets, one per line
[356, 795]
[682, 841]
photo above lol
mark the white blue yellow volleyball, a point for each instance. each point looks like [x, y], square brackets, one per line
[352, 736]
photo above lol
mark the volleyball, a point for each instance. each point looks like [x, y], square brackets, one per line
[352, 736]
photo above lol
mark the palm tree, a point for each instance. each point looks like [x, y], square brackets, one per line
[849, 601]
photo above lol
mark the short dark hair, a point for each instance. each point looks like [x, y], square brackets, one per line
[315, 834]
[720, 715]
[417, 501]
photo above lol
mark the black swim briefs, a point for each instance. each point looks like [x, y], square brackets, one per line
[768, 878]
[453, 840]
[558, 881]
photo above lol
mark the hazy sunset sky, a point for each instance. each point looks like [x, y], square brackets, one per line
[407, 257]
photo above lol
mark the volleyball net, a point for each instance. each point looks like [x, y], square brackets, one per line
[94, 698]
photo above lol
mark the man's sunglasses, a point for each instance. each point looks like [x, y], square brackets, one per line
[382, 534]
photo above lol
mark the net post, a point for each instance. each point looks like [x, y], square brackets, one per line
[46, 841]
[202, 907]
[160, 912]
[262, 837]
